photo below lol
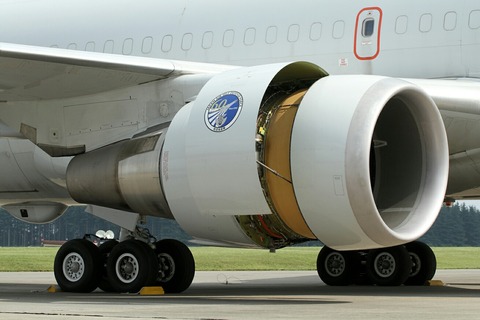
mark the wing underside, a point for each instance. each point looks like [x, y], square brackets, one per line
[38, 73]
[459, 104]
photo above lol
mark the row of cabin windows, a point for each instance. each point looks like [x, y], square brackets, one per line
[250, 35]
[426, 22]
[228, 39]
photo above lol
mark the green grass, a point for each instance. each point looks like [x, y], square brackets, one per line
[222, 259]
[249, 259]
[27, 259]
[458, 257]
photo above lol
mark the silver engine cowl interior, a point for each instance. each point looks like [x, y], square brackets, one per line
[123, 176]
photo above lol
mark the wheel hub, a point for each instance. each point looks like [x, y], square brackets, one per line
[127, 268]
[166, 267]
[416, 264]
[384, 265]
[335, 264]
[73, 267]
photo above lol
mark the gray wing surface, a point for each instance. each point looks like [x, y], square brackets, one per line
[39, 73]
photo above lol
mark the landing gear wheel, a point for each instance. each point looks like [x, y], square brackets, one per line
[105, 249]
[77, 266]
[389, 266]
[424, 263]
[131, 266]
[176, 266]
[337, 268]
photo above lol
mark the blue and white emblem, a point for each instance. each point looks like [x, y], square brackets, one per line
[223, 111]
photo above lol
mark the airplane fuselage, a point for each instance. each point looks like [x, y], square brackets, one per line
[406, 39]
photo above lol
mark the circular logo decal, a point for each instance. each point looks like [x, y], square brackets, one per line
[223, 111]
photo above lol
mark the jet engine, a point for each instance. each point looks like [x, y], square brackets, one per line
[278, 154]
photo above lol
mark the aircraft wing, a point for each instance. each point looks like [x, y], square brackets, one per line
[33, 73]
[458, 101]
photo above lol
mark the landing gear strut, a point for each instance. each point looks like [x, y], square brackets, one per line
[412, 264]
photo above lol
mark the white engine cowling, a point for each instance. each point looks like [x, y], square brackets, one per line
[278, 154]
[376, 172]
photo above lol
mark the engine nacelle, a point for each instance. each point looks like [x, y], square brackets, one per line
[279, 154]
[377, 170]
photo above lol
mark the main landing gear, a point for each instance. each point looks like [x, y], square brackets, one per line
[127, 266]
[411, 264]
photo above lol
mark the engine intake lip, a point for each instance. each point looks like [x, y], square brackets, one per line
[350, 196]
[411, 174]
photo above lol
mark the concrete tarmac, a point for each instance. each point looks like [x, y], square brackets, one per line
[247, 295]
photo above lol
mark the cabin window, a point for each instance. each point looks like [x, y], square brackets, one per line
[108, 46]
[167, 43]
[401, 25]
[249, 37]
[474, 19]
[271, 35]
[90, 46]
[147, 45]
[450, 21]
[127, 48]
[207, 40]
[187, 41]
[315, 31]
[228, 38]
[426, 22]
[368, 27]
[293, 33]
[338, 29]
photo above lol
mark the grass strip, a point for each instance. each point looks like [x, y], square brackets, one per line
[224, 259]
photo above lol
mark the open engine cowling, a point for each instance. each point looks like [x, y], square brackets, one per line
[279, 154]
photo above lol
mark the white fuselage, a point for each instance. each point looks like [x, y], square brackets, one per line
[415, 39]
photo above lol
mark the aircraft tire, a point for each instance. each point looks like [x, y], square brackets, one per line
[337, 268]
[424, 263]
[105, 249]
[77, 266]
[176, 266]
[389, 266]
[131, 266]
